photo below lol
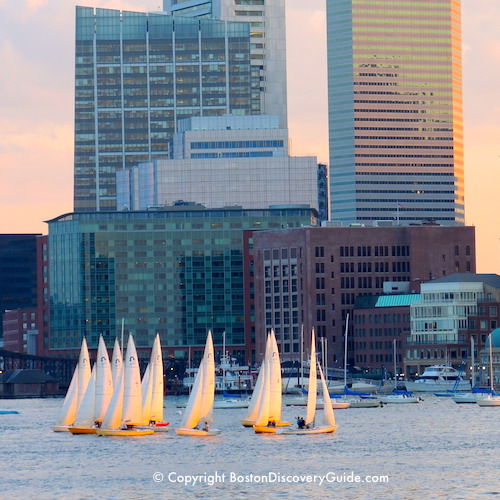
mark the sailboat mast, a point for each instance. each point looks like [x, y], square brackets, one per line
[473, 372]
[123, 327]
[345, 350]
[395, 369]
[491, 364]
[301, 356]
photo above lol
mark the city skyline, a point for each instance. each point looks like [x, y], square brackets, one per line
[36, 148]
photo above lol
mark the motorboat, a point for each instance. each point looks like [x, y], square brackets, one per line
[438, 378]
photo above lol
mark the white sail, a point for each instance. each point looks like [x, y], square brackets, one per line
[113, 417]
[275, 388]
[147, 393]
[132, 393]
[157, 389]
[201, 399]
[70, 404]
[328, 415]
[103, 382]
[116, 361]
[313, 384]
[85, 414]
[253, 407]
[84, 370]
[263, 415]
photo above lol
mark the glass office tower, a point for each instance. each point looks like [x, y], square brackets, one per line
[268, 42]
[136, 75]
[395, 110]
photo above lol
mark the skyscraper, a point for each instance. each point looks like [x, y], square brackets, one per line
[395, 110]
[268, 43]
[136, 75]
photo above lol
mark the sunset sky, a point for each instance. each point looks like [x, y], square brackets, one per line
[37, 93]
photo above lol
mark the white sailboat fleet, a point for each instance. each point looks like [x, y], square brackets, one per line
[110, 399]
[200, 404]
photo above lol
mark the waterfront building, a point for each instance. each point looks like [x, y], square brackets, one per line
[20, 330]
[136, 75]
[378, 321]
[451, 309]
[395, 111]
[223, 161]
[268, 42]
[484, 360]
[178, 272]
[311, 277]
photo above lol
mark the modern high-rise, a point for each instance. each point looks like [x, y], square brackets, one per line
[395, 110]
[136, 75]
[268, 43]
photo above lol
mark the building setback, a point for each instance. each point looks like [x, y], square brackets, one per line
[395, 110]
[136, 75]
[178, 272]
[311, 277]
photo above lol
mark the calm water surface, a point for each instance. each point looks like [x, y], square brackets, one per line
[435, 449]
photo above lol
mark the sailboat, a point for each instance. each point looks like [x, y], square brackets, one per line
[152, 390]
[398, 397]
[201, 400]
[308, 425]
[270, 404]
[98, 395]
[491, 398]
[76, 390]
[125, 408]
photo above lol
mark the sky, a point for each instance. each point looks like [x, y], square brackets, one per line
[37, 94]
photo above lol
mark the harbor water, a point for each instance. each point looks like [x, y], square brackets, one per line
[433, 449]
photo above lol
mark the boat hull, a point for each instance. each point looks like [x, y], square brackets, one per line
[488, 401]
[366, 403]
[230, 404]
[197, 432]
[82, 430]
[155, 428]
[60, 428]
[123, 432]
[251, 423]
[316, 430]
[438, 386]
[463, 398]
[9, 412]
[399, 399]
[264, 429]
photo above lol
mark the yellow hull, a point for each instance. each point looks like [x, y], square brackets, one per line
[197, 432]
[82, 430]
[123, 432]
[318, 430]
[264, 429]
[251, 423]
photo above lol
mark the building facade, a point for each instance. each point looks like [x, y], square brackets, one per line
[178, 272]
[136, 75]
[311, 277]
[268, 42]
[395, 110]
[18, 272]
[223, 161]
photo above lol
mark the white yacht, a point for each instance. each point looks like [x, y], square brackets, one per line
[438, 378]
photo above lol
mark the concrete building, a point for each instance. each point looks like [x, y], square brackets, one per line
[311, 277]
[178, 272]
[451, 310]
[395, 111]
[268, 42]
[223, 161]
[136, 75]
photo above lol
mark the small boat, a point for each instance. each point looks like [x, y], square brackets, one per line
[308, 426]
[402, 397]
[231, 403]
[97, 396]
[124, 413]
[201, 400]
[268, 403]
[463, 397]
[438, 378]
[76, 390]
[9, 412]
[153, 390]
[491, 398]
